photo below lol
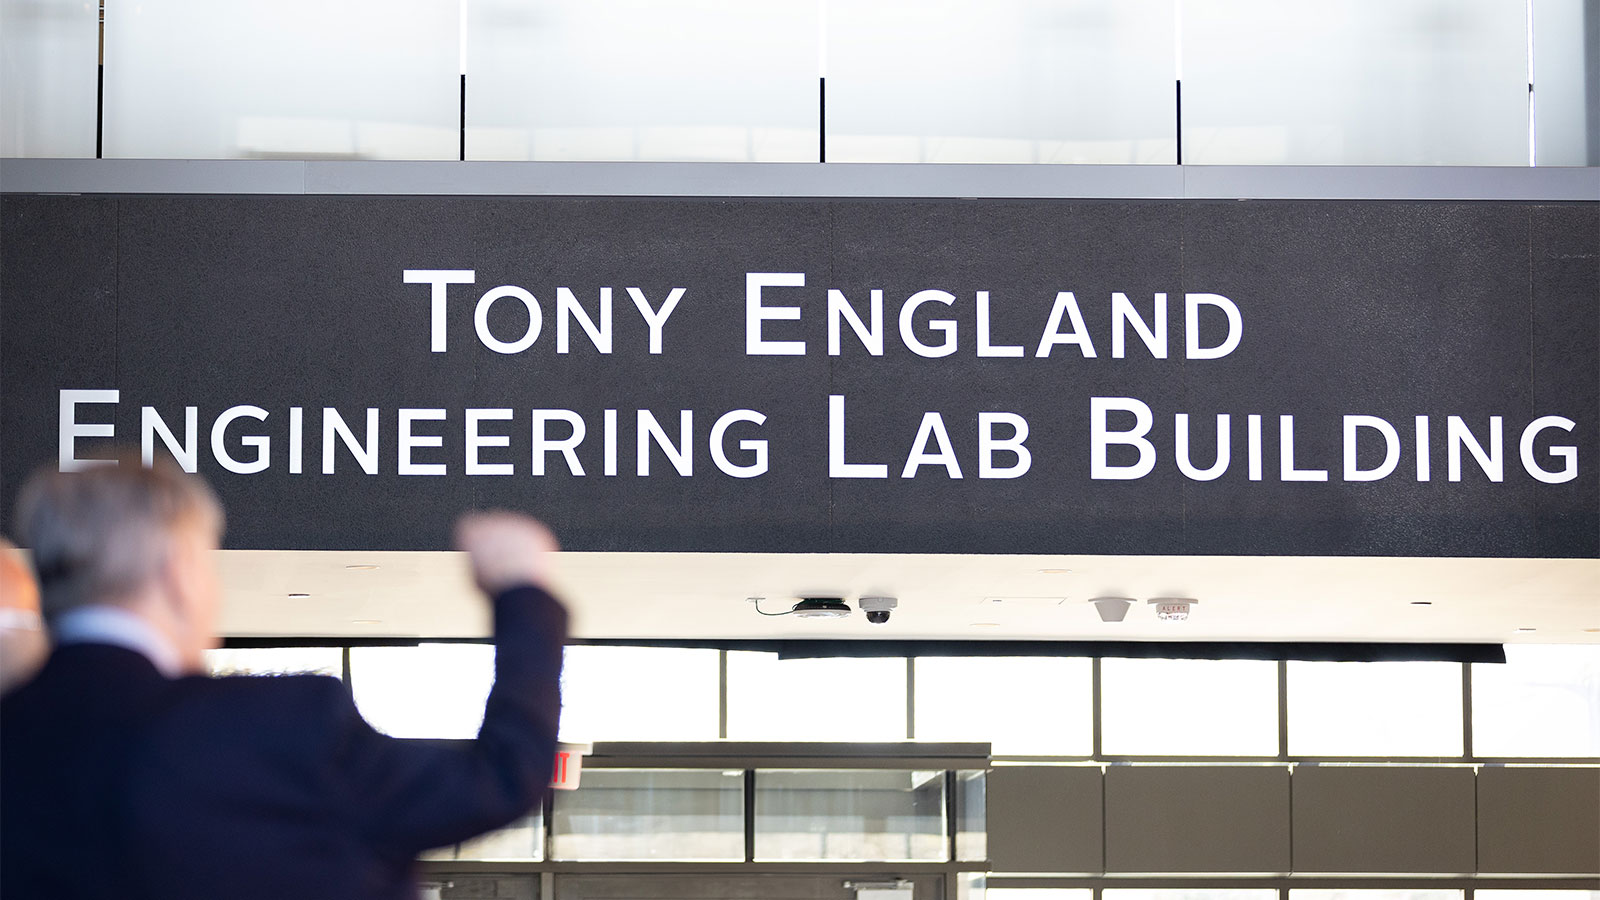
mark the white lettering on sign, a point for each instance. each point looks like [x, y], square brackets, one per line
[756, 312]
[1122, 440]
[439, 280]
[1201, 341]
[71, 429]
[186, 453]
[1121, 436]
[568, 310]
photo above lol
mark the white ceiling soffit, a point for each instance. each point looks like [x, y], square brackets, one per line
[272, 593]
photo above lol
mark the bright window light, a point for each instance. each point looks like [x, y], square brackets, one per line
[815, 699]
[427, 691]
[1374, 709]
[1189, 707]
[1544, 701]
[639, 694]
[1022, 706]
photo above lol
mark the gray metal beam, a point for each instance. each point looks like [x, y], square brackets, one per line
[807, 180]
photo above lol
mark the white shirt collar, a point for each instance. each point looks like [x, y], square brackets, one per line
[101, 624]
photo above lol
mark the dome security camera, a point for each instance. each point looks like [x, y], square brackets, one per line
[877, 608]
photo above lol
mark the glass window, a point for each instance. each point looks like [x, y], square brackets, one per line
[651, 814]
[1562, 92]
[1367, 894]
[639, 694]
[427, 691]
[1536, 895]
[1007, 81]
[49, 56]
[864, 815]
[521, 840]
[701, 80]
[276, 661]
[815, 699]
[1189, 894]
[1022, 706]
[1039, 894]
[1403, 82]
[1374, 709]
[1544, 701]
[1189, 707]
[457, 885]
[352, 79]
[972, 815]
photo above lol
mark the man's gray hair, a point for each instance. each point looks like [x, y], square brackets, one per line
[99, 535]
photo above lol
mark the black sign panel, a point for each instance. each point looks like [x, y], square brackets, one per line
[1388, 378]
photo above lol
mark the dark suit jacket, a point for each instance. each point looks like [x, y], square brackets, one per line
[118, 783]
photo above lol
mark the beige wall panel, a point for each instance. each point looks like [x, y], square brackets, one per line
[1197, 819]
[1045, 819]
[1383, 819]
[1539, 820]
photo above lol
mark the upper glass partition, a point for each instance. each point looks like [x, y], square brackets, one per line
[1351, 82]
[299, 79]
[1566, 79]
[686, 80]
[1345, 82]
[49, 56]
[1018, 81]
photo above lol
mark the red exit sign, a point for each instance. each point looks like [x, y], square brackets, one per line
[568, 766]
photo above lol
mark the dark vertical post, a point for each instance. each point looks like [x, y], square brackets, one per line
[1591, 78]
[749, 815]
[463, 132]
[1179, 95]
[1094, 706]
[547, 810]
[1533, 127]
[100, 89]
[722, 694]
[952, 815]
[822, 119]
[1095, 752]
[911, 698]
[1283, 709]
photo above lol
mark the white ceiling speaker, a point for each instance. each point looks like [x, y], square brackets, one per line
[1112, 609]
[809, 608]
[821, 608]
